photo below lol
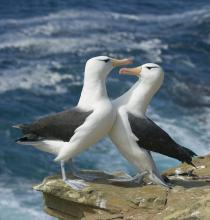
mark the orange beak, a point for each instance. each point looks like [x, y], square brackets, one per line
[122, 62]
[131, 71]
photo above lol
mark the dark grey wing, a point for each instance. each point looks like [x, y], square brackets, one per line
[153, 138]
[59, 126]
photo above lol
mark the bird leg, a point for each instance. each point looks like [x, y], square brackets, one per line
[63, 171]
[88, 175]
[73, 169]
[74, 184]
[137, 179]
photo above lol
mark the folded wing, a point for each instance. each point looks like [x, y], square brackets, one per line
[151, 137]
[60, 126]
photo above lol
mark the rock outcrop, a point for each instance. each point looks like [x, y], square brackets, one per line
[189, 197]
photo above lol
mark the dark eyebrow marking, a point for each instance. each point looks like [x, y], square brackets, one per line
[151, 67]
[106, 60]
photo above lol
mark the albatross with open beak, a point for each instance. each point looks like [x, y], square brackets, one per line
[68, 133]
[135, 134]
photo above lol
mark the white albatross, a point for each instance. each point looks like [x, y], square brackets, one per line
[68, 133]
[134, 134]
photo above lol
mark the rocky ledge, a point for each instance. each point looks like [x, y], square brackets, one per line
[189, 197]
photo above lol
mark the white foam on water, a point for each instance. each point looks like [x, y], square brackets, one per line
[54, 34]
[18, 204]
[44, 46]
[63, 14]
[153, 48]
[38, 78]
[38, 32]
[169, 19]
[193, 15]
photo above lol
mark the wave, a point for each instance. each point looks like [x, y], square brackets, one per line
[16, 203]
[42, 47]
[49, 35]
[170, 19]
[153, 48]
[193, 15]
[190, 93]
[35, 32]
[64, 14]
[61, 33]
[39, 79]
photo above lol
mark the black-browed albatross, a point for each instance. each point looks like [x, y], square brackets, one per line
[135, 134]
[67, 133]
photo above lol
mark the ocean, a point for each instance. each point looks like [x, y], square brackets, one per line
[44, 45]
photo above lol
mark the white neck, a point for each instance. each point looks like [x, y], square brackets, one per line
[141, 96]
[93, 91]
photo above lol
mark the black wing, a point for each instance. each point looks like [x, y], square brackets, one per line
[59, 126]
[153, 138]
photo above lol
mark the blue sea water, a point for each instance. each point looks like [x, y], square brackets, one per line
[43, 49]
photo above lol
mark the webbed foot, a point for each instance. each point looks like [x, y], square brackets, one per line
[76, 184]
[137, 179]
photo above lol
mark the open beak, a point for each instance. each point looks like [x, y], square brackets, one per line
[122, 62]
[131, 71]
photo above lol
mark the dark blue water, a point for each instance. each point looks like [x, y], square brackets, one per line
[43, 49]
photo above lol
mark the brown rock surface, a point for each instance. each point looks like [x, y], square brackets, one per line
[188, 199]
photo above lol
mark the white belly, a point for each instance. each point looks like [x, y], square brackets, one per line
[127, 145]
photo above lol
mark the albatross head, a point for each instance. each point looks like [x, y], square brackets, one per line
[151, 78]
[149, 72]
[102, 65]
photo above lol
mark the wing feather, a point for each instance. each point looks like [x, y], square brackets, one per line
[153, 138]
[59, 126]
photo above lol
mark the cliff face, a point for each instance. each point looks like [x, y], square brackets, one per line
[188, 199]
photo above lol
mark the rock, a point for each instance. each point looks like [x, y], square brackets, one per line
[189, 197]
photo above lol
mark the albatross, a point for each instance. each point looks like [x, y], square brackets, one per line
[67, 133]
[135, 134]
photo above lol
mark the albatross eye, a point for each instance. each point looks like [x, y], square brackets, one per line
[106, 60]
[151, 67]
